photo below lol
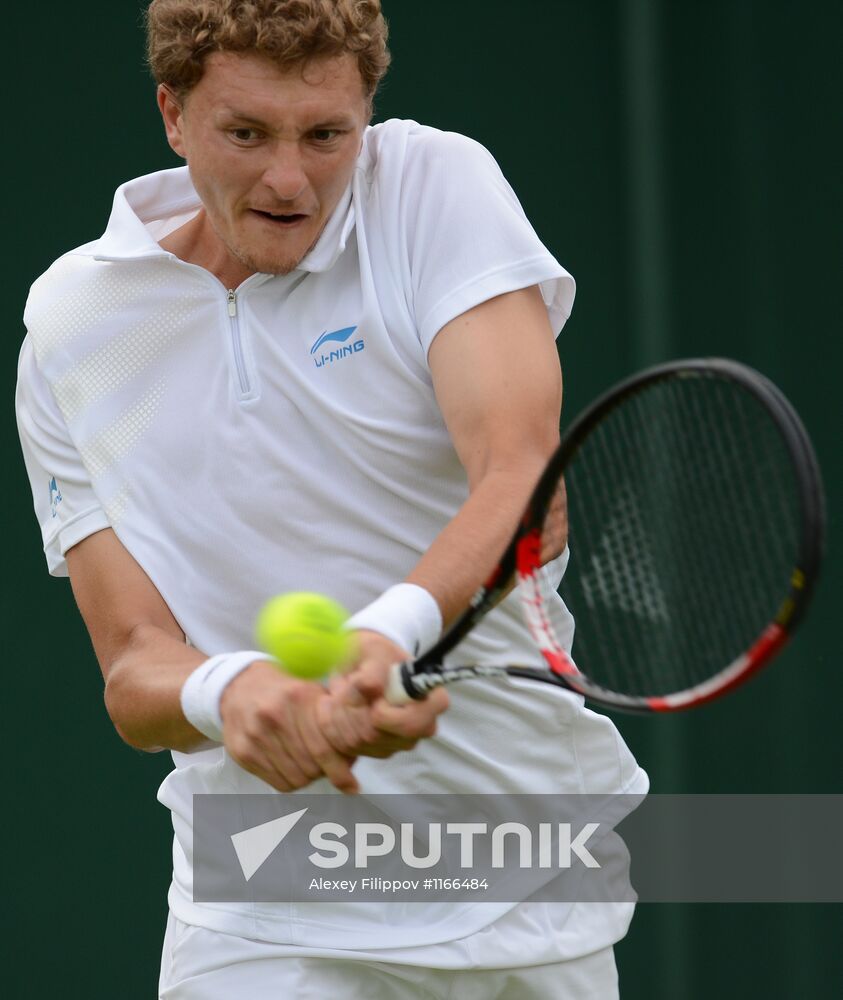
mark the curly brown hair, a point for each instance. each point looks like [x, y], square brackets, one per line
[182, 33]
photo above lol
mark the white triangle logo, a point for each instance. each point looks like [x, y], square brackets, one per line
[254, 846]
[622, 571]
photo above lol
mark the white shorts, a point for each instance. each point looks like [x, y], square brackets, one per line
[200, 964]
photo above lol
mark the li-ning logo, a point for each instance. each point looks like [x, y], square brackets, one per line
[55, 497]
[343, 350]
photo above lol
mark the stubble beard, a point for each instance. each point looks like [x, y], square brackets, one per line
[267, 264]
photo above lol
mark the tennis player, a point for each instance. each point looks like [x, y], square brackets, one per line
[319, 357]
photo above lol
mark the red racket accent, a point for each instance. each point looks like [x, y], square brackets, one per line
[561, 664]
[528, 554]
[771, 641]
[768, 645]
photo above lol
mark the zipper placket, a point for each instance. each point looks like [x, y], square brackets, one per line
[237, 344]
[243, 380]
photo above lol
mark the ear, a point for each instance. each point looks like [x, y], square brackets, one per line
[172, 113]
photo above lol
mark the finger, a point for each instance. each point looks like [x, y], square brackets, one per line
[252, 759]
[334, 726]
[413, 721]
[353, 731]
[297, 768]
[344, 781]
[343, 692]
[334, 764]
[280, 736]
[384, 748]
[337, 685]
[368, 682]
[348, 723]
[346, 728]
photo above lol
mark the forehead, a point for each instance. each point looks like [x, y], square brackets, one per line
[254, 86]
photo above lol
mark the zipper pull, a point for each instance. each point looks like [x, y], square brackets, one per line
[232, 303]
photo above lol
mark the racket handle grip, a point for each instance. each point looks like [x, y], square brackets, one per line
[399, 688]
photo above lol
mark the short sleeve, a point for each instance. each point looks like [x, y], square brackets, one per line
[468, 237]
[65, 504]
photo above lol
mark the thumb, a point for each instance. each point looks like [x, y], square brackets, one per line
[368, 682]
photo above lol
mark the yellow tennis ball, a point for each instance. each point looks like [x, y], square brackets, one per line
[304, 632]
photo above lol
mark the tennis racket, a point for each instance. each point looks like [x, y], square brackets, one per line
[696, 517]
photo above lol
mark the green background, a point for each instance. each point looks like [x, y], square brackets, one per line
[683, 160]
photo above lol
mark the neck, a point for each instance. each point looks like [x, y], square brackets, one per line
[196, 243]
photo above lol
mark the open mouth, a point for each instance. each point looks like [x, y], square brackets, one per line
[284, 221]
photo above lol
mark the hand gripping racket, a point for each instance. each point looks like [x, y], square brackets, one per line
[696, 518]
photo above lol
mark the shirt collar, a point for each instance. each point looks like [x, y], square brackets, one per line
[170, 193]
[334, 237]
[139, 203]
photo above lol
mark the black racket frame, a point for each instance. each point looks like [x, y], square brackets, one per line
[427, 671]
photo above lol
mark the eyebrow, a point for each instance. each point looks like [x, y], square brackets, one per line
[338, 120]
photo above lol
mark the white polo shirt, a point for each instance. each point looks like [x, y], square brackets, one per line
[285, 436]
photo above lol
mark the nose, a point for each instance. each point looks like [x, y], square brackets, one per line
[285, 175]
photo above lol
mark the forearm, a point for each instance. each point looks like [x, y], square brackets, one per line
[467, 550]
[500, 395]
[284, 731]
[143, 691]
[458, 561]
[275, 726]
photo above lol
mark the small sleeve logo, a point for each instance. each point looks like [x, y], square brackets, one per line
[55, 497]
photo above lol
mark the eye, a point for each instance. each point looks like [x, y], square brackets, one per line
[325, 135]
[243, 134]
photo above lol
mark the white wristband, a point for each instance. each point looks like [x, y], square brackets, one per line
[406, 613]
[202, 691]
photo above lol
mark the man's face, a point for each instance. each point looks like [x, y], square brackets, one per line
[270, 152]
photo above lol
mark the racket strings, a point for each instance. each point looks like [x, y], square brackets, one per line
[615, 580]
[775, 504]
[736, 544]
[609, 577]
[768, 506]
[737, 531]
[683, 512]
